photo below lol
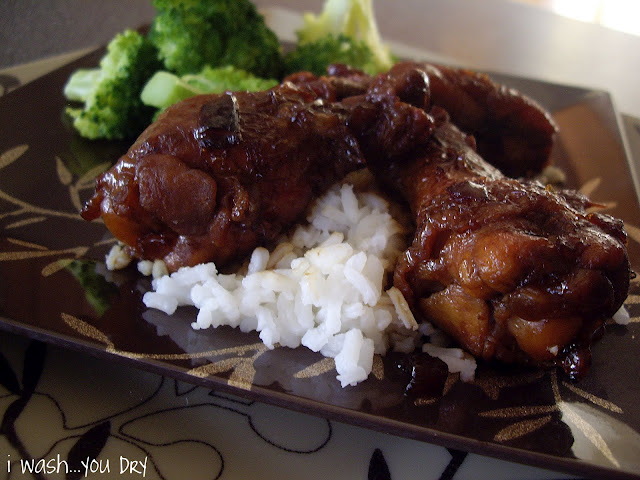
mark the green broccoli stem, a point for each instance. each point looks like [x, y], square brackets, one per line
[165, 88]
[81, 83]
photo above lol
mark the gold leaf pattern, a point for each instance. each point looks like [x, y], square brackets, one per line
[316, 369]
[215, 367]
[633, 299]
[601, 402]
[27, 207]
[22, 243]
[88, 179]
[328, 364]
[241, 350]
[56, 266]
[555, 388]
[378, 367]
[603, 206]
[26, 221]
[425, 401]
[74, 195]
[12, 155]
[243, 375]
[520, 429]
[64, 175]
[243, 371]
[24, 255]
[452, 379]
[493, 386]
[571, 414]
[590, 186]
[86, 329]
[106, 241]
[633, 232]
[523, 411]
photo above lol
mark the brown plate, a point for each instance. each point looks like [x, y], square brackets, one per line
[54, 287]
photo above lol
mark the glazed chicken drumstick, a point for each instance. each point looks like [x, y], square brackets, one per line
[511, 270]
[512, 131]
[217, 175]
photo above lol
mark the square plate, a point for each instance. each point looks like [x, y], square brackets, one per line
[56, 288]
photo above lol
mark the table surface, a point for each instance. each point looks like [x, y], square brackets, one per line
[494, 35]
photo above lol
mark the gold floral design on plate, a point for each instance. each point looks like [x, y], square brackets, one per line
[26, 213]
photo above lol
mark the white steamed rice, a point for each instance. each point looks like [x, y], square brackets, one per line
[322, 287]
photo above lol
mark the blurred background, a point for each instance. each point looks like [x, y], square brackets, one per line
[621, 15]
[34, 29]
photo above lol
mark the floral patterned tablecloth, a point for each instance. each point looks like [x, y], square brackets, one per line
[69, 415]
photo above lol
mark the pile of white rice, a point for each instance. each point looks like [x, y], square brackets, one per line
[322, 287]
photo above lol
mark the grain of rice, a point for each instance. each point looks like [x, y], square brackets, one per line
[622, 317]
[117, 258]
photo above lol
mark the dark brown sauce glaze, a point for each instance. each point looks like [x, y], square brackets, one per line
[511, 270]
[425, 376]
[512, 131]
[218, 175]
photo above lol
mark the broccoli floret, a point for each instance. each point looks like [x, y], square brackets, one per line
[111, 94]
[165, 88]
[190, 34]
[316, 56]
[344, 32]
